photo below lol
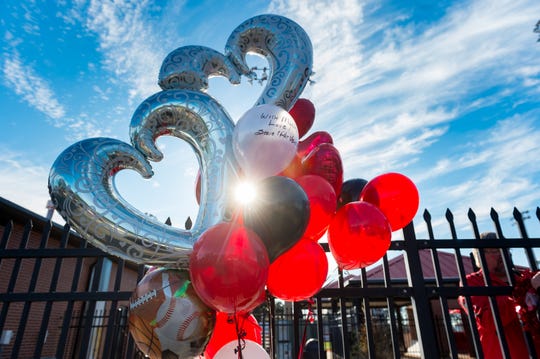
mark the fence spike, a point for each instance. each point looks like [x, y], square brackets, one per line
[427, 216]
[493, 214]
[517, 214]
[471, 215]
[427, 219]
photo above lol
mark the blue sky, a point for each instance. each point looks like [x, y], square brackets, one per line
[445, 92]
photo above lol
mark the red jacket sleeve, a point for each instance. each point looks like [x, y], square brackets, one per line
[482, 308]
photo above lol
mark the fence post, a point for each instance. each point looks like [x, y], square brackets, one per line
[420, 299]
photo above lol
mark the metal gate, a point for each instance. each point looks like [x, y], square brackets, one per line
[61, 298]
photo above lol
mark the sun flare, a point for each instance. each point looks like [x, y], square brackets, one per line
[245, 192]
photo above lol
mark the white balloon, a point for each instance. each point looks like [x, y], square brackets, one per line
[251, 350]
[265, 140]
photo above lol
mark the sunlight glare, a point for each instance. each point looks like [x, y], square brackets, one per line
[245, 192]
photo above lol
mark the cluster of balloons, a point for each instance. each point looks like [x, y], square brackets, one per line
[206, 280]
[272, 243]
[368, 213]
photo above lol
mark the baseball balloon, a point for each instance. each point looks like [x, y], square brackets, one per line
[166, 316]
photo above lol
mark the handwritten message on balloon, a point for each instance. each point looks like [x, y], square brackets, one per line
[278, 126]
[265, 140]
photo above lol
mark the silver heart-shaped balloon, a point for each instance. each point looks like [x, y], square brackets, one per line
[288, 50]
[189, 67]
[81, 181]
[201, 121]
[81, 186]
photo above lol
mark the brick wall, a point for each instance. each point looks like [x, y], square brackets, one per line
[20, 271]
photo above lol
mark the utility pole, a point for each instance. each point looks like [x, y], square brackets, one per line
[524, 215]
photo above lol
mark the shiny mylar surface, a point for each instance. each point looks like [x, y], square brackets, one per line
[81, 181]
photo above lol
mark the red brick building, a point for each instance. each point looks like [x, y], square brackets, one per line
[58, 295]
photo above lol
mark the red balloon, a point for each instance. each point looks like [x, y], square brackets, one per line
[322, 203]
[395, 195]
[307, 145]
[225, 331]
[303, 113]
[294, 169]
[229, 268]
[359, 235]
[299, 273]
[325, 161]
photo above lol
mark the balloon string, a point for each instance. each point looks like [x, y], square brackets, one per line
[309, 319]
[240, 334]
[151, 344]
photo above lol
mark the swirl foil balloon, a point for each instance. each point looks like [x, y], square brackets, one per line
[202, 122]
[189, 67]
[287, 49]
[82, 188]
[81, 181]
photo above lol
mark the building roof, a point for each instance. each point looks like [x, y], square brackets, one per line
[10, 211]
[398, 270]
[447, 262]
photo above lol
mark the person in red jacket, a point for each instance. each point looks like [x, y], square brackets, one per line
[508, 306]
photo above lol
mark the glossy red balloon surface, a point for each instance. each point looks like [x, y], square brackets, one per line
[295, 168]
[299, 273]
[309, 143]
[225, 331]
[322, 204]
[359, 235]
[325, 161]
[395, 195]
[229, 268]
[303, 113]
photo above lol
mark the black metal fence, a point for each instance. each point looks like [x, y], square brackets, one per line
[60, 298]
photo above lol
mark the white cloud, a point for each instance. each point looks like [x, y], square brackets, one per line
[33, 89]
[514, 145]
[337, 50]
[37, 93]
[103, 94]
[131, 51]
[17, 173]
[507, 150]
[501, 169]
[416, 70]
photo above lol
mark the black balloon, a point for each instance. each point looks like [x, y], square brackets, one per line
[350, 191]
[279, 215]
